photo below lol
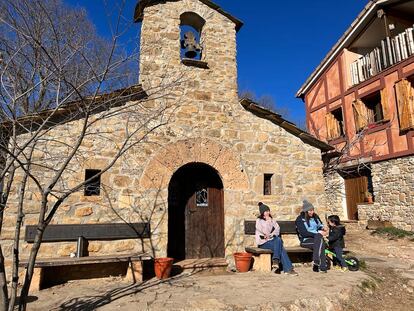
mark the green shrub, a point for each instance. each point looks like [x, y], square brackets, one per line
[394, 232]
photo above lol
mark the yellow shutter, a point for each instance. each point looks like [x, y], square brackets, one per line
[332, 127]
[335, 126]
[328, 126]
[360, 114]
[405, 102]
[384, 104]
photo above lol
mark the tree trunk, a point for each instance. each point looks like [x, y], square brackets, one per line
[15, 272]
[4, 297]
[30, 267]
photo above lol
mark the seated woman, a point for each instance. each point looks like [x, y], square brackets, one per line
[267, 237]
[311, 232]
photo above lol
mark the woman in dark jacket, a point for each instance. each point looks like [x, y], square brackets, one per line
[311, 232]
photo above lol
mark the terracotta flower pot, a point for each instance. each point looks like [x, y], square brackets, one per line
[162, 267]
[243, 261]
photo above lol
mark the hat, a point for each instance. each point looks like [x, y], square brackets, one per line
[307, 206]
[263, 208]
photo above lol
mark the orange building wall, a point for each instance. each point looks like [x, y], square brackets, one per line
[333, 90]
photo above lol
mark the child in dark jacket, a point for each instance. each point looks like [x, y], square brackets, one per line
[336, 239]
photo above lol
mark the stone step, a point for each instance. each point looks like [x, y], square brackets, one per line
[200, 265]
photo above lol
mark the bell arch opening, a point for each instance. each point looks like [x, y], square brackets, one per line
[191, 25]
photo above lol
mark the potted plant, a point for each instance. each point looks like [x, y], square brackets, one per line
[243, 261]
[162, 267]
[368, 197]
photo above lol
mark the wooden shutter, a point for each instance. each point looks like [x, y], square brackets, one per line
[405, 101]
[328, 126]
[360, 114]
[332, 126]
[384, 104]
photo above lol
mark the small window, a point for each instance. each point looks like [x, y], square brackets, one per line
[374, 109]
[371, 109]
[337, 113]
[335, 124]
[267, 184]
[202, 198]
[93, 182]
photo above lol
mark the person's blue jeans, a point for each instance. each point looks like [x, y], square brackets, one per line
[279, 252]
[339, 255]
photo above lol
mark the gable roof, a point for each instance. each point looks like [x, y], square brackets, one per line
[277, 119]
[142, 4]
[357, 26]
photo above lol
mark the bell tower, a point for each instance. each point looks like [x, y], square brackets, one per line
[187, 39]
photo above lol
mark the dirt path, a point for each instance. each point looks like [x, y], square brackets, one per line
[386, 284]
[390, 266]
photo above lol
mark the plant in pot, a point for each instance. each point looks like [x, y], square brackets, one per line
[162, 267]
[368, 197]
[243, 261]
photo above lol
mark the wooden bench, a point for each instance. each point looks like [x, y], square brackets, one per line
[263, 257]
[52, 271]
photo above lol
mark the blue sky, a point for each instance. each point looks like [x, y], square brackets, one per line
[279, 45]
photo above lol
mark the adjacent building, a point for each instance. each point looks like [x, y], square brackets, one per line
[360, 100]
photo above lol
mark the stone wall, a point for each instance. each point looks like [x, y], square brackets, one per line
[393, 183]
[200, 120]
[335, 194]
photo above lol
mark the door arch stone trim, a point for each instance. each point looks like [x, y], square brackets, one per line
[159, 170]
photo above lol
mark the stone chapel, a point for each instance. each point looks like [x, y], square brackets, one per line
[197, 178]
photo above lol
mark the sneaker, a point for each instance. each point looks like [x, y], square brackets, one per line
[275, 262]
[292, 273]
[277, 271]
[323, 271]
[315, 268]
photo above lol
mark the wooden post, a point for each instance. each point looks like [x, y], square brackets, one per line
[262, 262]
[37, 279]
[134, 273]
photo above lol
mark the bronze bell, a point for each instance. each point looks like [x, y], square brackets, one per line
[191, 52]
[190, 44]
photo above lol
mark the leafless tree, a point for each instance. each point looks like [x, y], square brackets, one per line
[64, 95]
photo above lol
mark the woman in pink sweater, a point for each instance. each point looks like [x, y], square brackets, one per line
[267, 236]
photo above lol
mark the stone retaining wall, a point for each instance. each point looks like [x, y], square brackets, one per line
[393, 182]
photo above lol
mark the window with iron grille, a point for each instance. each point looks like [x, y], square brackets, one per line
[267, 184]
[93, 182]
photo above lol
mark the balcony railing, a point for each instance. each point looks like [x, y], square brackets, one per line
[392, 50]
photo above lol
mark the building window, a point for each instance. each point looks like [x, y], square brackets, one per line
[93, 182]
[405, 101]
[372, 103]
[191, 25]
[202, 198]
[267, 184]
[335, 124]
[371, 109]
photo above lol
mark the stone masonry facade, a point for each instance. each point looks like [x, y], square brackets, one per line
[206, 124]
[393, 183]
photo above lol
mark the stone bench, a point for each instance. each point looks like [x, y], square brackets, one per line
[53, 271]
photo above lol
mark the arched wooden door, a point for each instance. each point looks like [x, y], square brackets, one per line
[196, 213]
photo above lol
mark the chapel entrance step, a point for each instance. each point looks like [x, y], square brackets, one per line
[201, 265]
